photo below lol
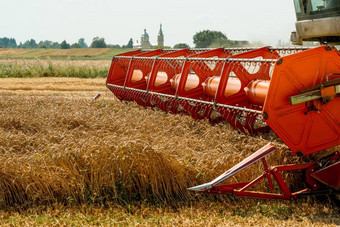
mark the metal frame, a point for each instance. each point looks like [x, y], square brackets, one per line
[236, 110]
[274, 176]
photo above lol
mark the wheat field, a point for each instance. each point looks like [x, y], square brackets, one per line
[37, 68]
[67, 159]
[68, 54]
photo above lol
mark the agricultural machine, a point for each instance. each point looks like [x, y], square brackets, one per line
[292, 91]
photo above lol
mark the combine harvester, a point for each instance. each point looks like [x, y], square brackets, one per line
[292, 91]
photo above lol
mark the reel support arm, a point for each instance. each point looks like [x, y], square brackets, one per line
[275, 173]
[326, 91]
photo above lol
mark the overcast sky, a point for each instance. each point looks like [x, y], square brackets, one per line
[118, 21]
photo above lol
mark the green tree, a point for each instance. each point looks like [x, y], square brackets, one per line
[181, 46]
[29, 44]
[98, 43]
[33, 43]
[130, 43]
[55, 45]
[45, 44]
[75, 45]
[115, 46]
[82, 43]
[65, 45]
[8, 42]
[205, 38]
[42, 45]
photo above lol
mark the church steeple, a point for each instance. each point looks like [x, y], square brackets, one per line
[160, 38]
[160, 30]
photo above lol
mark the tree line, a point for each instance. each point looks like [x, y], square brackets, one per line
[47, 44]
[212, 39]
[201, 39]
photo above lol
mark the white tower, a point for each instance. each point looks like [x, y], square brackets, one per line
[145, 43]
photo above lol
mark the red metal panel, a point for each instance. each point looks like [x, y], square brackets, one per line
[329, 175]
[303, 131]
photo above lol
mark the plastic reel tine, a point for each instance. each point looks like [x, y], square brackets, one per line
[224, 112]
[183, 103]
[171, 104]
[249, 123]
[193, 108]
[235, 117]
[135, 95]
[132, 95]
[207, 110]
[201, 111]
[210, 110]
[174, 104]
[198, 110]
[127, 94]
[260, 71]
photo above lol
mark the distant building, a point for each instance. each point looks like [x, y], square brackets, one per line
[145, 40]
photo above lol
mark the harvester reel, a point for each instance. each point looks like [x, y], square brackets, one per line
[293, 91]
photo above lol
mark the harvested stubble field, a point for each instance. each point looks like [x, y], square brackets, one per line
[67, 159]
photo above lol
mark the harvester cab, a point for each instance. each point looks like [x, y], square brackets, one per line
[294, 91]
[317, 20]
